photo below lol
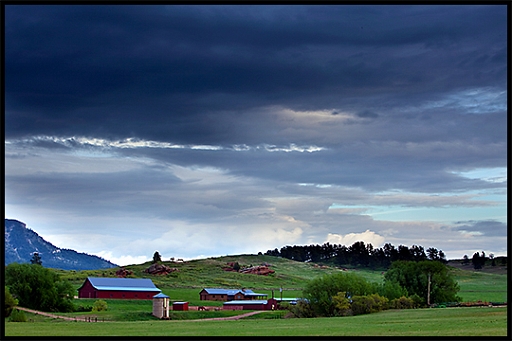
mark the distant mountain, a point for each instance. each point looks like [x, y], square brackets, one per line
[21, 243]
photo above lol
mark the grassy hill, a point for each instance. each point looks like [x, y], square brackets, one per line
[209, 273]
[488, 284]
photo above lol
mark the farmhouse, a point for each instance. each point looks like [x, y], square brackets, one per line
[123, 288]
[269, 304]
[214, 294]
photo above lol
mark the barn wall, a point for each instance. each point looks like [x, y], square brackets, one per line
[209, 297]
[232, 307]
[129, 295]
[87, 291]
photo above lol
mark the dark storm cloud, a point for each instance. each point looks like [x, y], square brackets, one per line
[269, 124]
[367, 114]
[489, 228]
[170, 73]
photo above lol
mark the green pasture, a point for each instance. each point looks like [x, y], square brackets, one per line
[192, 276]
[477, 285]
[420, 322]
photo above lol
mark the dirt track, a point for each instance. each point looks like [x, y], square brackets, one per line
[67, 318]
[93, 319]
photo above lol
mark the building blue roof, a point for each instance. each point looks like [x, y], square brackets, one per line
[231, 292]
[124, 284]
[215, 291]
[245, 302]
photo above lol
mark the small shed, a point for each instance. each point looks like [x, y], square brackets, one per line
[161, 306]
[180, 306]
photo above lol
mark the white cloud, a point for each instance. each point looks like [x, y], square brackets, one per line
[368, 237]
[122, 260]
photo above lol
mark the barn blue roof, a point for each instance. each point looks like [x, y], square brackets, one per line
[246, 302]
[217, 291]
[124, 284]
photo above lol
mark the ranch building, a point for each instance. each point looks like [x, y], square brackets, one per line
[122, 288]
[270, 304]
[161, 306]
[214, 294]
[180, 306]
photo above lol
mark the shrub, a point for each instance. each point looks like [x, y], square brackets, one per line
[99, 305]
[9, 302]
[302, 309]
[418, 301]
[368, 304]
[341, 304]
[402, 303]
[17, 316]
[82, 308]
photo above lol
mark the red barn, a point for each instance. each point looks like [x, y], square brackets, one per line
[123, 288]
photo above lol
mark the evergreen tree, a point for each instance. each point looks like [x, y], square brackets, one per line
[156, 257]
[36, 259]
[477, 261]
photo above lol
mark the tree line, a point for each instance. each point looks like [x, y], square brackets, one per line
[358, 254]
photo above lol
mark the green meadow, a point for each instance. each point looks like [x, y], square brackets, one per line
[134, 318]
[419, 322]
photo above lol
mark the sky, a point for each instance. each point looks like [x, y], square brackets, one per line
[209, 130]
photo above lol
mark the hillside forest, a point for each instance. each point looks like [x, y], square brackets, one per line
[360, 254]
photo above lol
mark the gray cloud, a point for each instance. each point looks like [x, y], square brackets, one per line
[490, 228]
[254, 116]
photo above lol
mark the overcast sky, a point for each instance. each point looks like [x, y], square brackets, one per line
[201, 131]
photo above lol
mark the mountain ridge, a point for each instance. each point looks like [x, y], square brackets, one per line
[21, 242]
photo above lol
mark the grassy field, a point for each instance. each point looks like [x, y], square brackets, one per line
[420, 322]
[478, 285]
[134, 318]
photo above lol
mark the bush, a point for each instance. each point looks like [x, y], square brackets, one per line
[341, 304]
[17, 316]
[368, 304]
[302, 309]
[9, 302]
[418, 301]
[82, 308]
[99, 305]
[402, 303]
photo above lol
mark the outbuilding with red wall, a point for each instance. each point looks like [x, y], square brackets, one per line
[269, 304]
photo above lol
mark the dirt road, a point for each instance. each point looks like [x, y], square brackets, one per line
[94, 319]
[67, 318]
